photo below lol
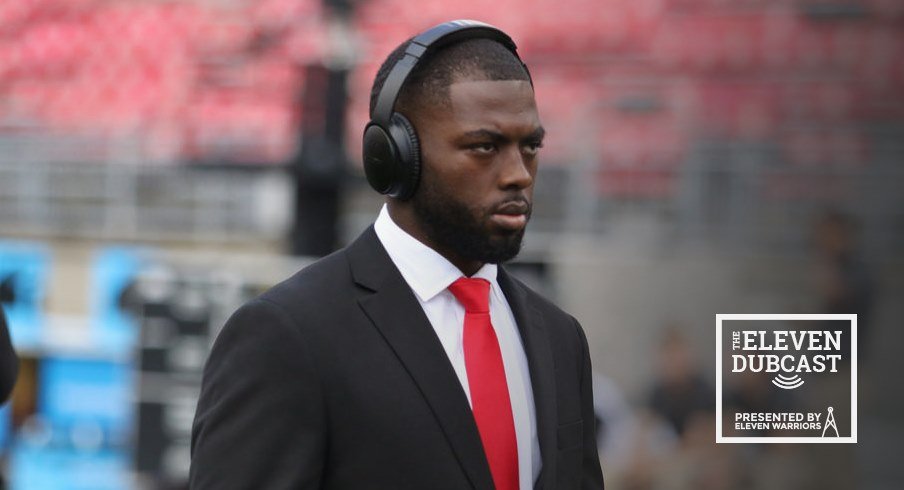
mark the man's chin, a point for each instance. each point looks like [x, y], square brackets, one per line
[504, 247]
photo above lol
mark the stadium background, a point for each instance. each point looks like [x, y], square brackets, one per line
[161, 161]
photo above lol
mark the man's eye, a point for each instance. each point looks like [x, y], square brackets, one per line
[483, 147]
[533, 148]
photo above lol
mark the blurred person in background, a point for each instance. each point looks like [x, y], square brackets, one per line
[845, 280]
[680, 390]
[649, 443]
[411, 359]
[699, 463]
[615, 422]
[9, 362]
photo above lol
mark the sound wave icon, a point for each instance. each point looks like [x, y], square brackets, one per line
[787, 382]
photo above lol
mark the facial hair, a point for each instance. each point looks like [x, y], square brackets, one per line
[465, 230]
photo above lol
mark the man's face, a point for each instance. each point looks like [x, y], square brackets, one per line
[479, 162]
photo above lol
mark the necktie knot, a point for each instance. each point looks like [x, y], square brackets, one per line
[473, 294]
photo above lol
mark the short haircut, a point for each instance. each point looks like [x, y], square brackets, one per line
[428, 84]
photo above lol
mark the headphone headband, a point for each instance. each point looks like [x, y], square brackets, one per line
[425, 42]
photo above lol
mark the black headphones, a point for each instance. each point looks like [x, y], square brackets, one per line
[392, 153]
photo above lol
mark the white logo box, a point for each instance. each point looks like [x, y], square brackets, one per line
[852, 319]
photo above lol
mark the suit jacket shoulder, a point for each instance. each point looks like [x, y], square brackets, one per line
[311, 286]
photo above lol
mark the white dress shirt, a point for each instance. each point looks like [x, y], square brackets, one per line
[429, 275]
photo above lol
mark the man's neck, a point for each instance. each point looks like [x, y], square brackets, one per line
[403, 216]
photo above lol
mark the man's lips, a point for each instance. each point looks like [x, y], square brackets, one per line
[513, 208]
[511, 215]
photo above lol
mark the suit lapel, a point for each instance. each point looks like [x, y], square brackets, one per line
[396, 313]
[541, 365]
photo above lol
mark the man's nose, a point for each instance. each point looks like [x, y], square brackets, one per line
[515, 169]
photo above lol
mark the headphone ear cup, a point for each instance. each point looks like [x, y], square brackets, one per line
[408, 147]
[381, 159]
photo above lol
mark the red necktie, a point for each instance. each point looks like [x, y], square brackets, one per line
[486, 379]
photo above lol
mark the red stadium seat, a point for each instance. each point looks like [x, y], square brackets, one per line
[225, 76]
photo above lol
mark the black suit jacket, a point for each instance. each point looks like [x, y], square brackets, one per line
[335, 379]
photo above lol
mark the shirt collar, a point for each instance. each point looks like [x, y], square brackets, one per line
[426, 271]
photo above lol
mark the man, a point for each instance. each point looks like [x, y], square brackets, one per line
[409, 359]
